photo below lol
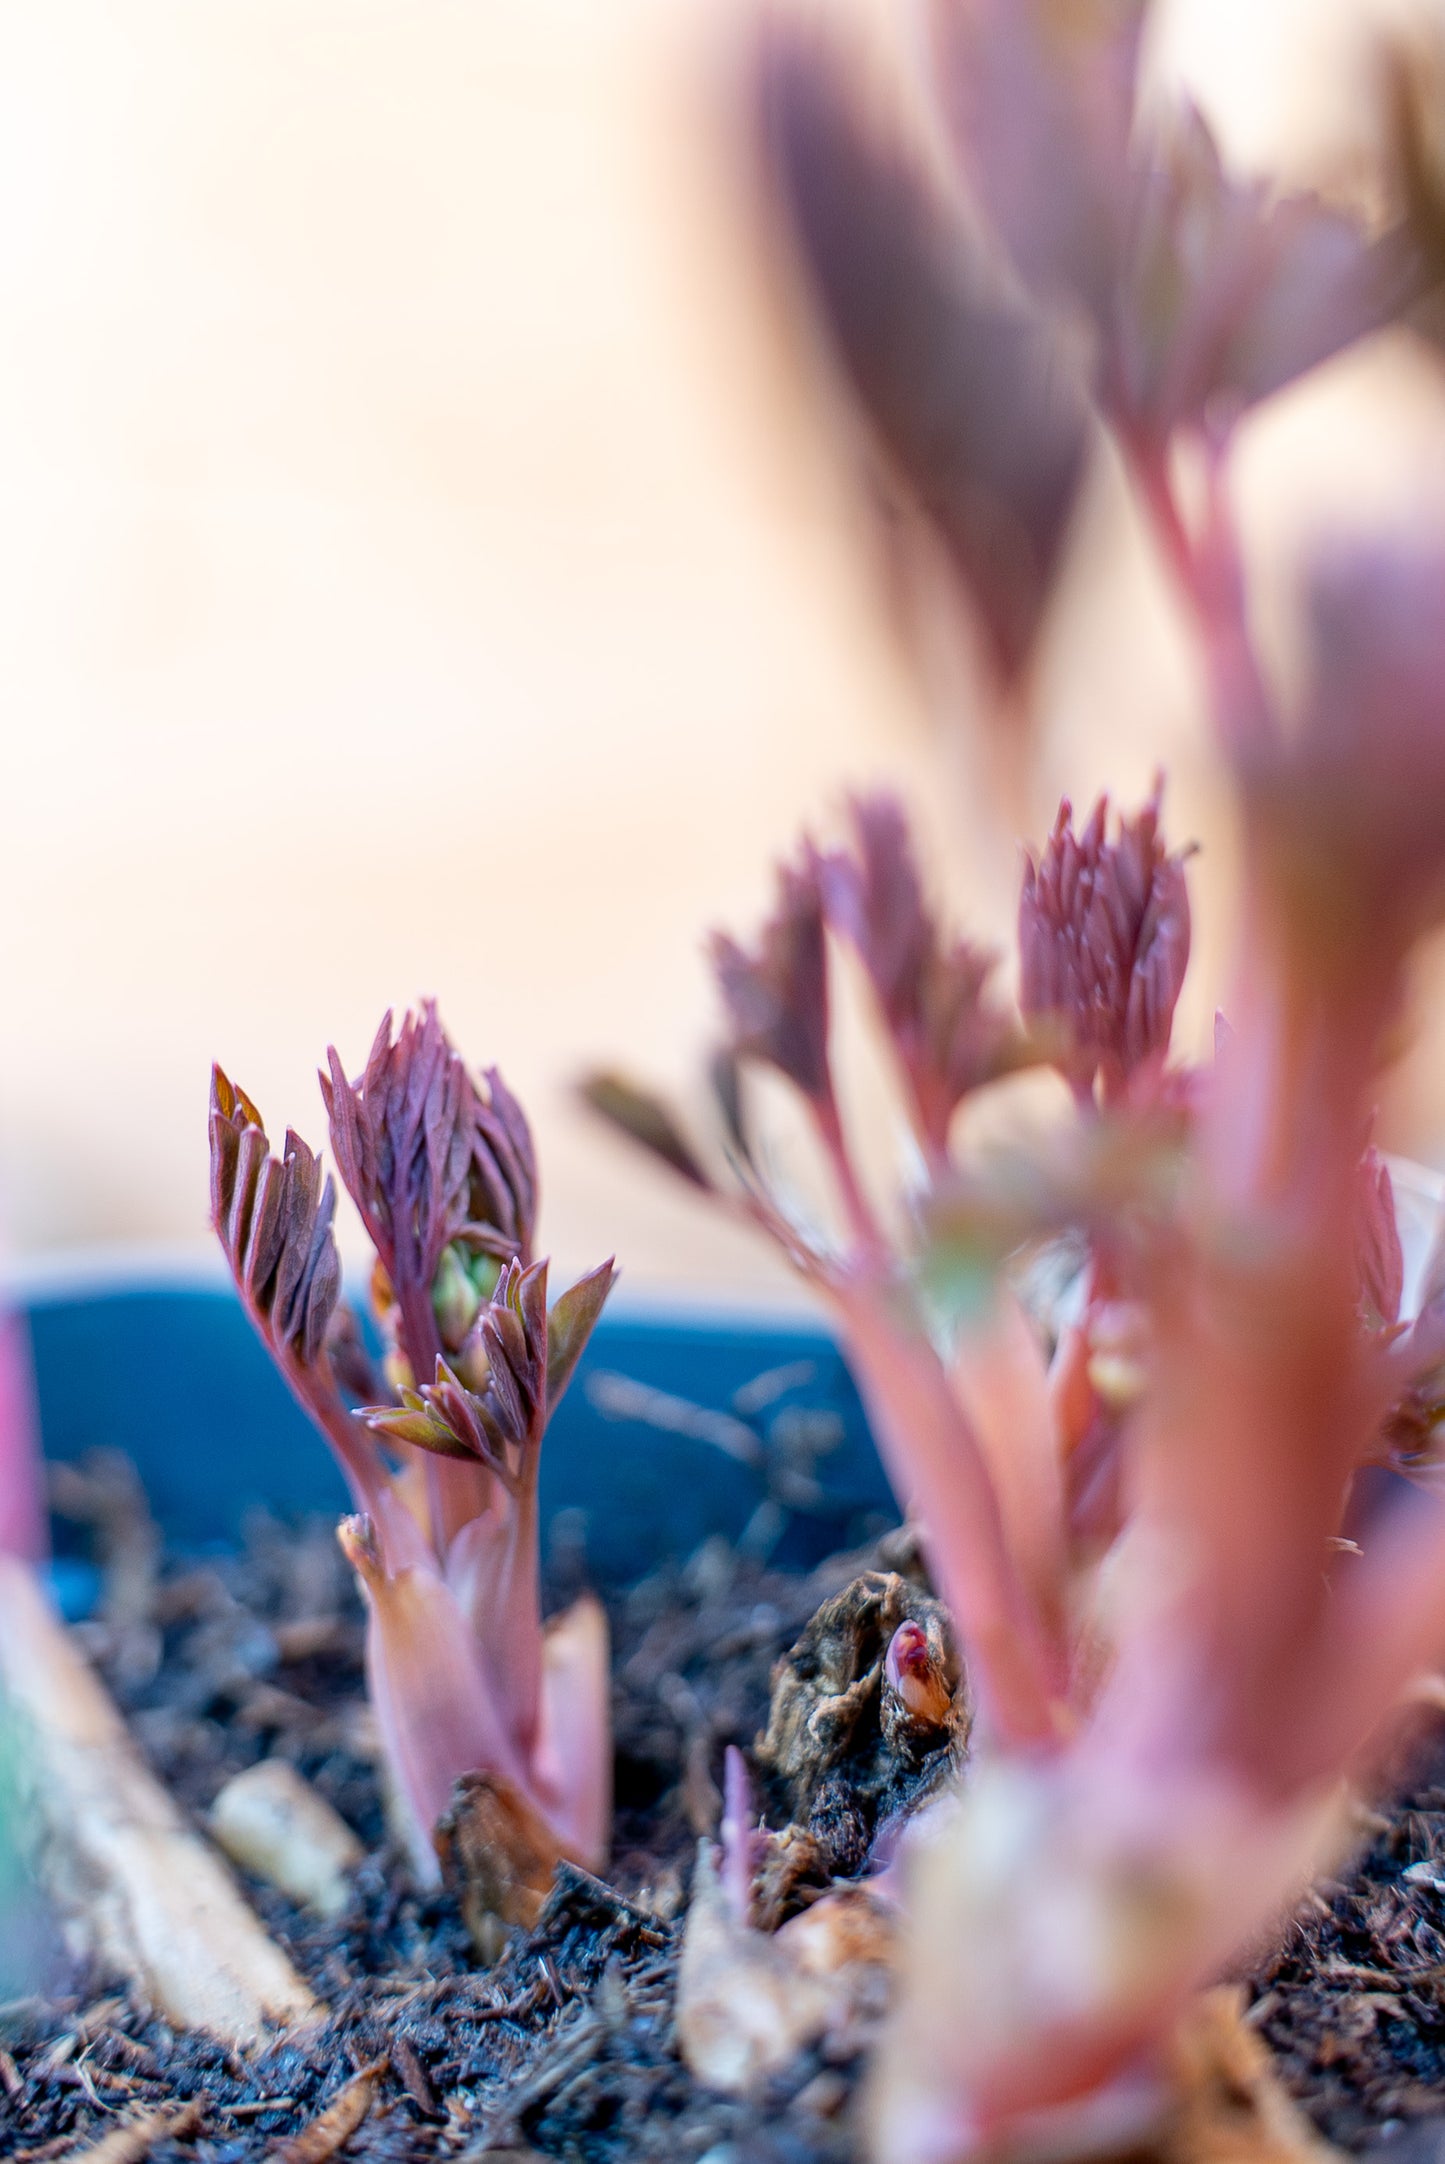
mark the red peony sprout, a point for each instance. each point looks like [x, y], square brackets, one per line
[1137, 1514]
[464, 1677]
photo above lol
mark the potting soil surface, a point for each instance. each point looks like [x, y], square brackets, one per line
[565, 2048]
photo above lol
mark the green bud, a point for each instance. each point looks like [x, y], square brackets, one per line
[455, 1298]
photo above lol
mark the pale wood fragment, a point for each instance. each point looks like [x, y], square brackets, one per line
[1229, 2104]
[140, 1890]
[132, 2141]
[328, 2133]
[274, 1824]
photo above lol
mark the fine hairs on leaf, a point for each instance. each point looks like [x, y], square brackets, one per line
[465, 1679]
[1185, 1618]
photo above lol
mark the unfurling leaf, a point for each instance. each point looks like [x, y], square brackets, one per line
[1416, 85]
[462, 1678]
[875, 899]
[429, 1158]
[777, 998]
[1230, 293]
[1039, 95]
[274, 1220]
[442, 1417]
[401, 1133]
[502, 1193]
[1103, 946]
[949, 1035]
[449, 1418]
[645, 1119]
[1205, 293]
[962, 382]
[1377, 1243]
[1348, 814]
[570, 1325]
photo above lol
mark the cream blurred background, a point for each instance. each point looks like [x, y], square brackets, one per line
[424, 568]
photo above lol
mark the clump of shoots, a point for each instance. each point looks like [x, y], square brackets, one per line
[440, 1447]
[1185, 1619]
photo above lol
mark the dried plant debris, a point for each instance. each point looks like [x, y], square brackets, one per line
[329, 2132]
[498, 1856]
[1353, 2004]
[868, 1719]
[137, 2138]
[749, 2003]
[568, 2046]
[1229, 2104]
[138, 1890]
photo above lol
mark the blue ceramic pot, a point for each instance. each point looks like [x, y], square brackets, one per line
[176, 1378]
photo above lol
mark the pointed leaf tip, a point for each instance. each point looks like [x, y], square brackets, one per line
[571, 1323]
[963, 384]
[646, 1120]
[776, 996]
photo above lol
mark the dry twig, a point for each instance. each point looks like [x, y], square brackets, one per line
[143, 1894]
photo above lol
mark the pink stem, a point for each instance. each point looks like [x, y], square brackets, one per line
[741, 1843]
[1210, 574]
[355, 1448]
[935, 1459]
[1384, 1625]
[22, 1514]
[861, 1218]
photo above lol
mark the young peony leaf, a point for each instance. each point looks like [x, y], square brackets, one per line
[1347, 817]
[949, 1036]
[502, 1193]
[429, 1159]
[505, 1356]
[1377, 1242]
[513, 1333]
[1228, 294]
[962, 383]
[644, 1119]
[507, 1352]
[1416, 86]
[1118, 1176]
[874, 898]
[274, 1219]
[402, 1138]
[777, 998]
[1206, 293]
[1103, 947]
[570, 1325]
[1039, 96]
[443, 1417]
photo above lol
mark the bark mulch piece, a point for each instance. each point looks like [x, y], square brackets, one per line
[1353, 2003]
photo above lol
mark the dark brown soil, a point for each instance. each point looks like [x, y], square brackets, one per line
[565, 2048]
[1353, 2004]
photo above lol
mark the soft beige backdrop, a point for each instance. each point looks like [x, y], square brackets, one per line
[423, 569]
